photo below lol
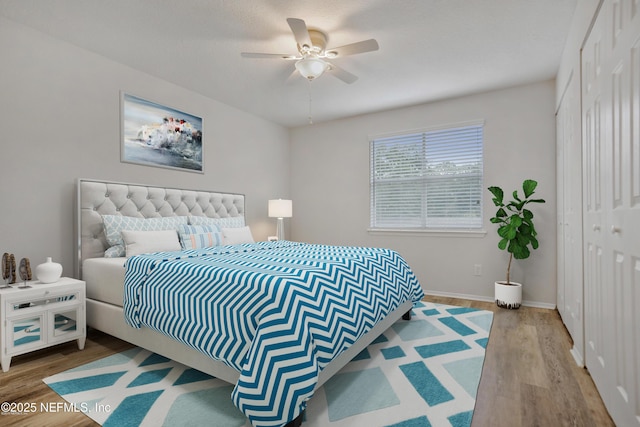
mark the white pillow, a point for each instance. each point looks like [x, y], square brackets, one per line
[114, 224]
[237, 235]
[142, 242]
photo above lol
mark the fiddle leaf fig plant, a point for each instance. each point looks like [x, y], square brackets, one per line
[515, 222]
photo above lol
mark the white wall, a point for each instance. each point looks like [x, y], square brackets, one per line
[330, 188]
[60, 114]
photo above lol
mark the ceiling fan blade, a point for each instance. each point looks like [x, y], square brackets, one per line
[269, 55]
[300, 32]
[353, 48]
[342, 74]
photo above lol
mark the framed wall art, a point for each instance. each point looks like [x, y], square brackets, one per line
[157, 135]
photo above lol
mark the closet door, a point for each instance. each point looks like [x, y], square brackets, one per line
[595, 287]
[623, 197]
[611, 94]
[560, 168]
[570, 258]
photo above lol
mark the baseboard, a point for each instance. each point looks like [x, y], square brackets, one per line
[526, 303]
[577, 356]
[462, 296]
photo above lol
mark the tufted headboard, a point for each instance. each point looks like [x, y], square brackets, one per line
[97, 198]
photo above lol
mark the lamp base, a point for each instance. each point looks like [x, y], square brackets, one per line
[280, 229]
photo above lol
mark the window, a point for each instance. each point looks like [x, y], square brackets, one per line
[430, 180]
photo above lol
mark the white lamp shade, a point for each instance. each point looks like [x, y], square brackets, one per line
[280, 208]
[311, 68]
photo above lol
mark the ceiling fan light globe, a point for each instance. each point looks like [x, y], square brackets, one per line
[311, 68]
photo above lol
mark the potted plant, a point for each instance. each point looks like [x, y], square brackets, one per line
[517, 233]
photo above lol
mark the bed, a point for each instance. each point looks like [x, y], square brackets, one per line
[268, 317]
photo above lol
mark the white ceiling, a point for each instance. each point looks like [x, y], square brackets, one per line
[429, 49]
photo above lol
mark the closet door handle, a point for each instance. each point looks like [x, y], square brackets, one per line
[596, 227]
[615, 229]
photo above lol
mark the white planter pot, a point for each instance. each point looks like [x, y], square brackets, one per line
[508, 296]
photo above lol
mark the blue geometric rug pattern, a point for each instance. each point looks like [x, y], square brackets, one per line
[421, 373]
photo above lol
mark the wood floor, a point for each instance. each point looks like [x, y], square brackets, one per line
[529, 377]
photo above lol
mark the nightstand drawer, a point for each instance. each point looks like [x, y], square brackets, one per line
[47, 300]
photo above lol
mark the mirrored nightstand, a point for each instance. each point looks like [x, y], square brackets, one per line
[41, 316]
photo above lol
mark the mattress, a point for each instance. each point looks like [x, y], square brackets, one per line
[105, 279]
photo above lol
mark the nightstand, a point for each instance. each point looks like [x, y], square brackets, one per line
[41, 316]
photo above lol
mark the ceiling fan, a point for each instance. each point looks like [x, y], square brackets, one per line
[311, 59]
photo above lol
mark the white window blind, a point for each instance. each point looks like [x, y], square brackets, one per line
[428, 180]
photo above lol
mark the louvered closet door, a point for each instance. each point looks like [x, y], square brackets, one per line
[611, 109]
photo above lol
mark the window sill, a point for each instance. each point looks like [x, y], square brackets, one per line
[431, 233]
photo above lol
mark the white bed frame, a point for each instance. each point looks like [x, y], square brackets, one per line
[96, 198]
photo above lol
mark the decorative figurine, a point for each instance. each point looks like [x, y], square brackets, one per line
[8, 269]
[25, 272]
[5, 271]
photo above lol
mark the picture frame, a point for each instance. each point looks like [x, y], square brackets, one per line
[157, 135]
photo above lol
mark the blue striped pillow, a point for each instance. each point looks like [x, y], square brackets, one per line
[200, 236]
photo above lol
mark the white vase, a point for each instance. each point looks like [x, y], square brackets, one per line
[508, 295]
[49, 272]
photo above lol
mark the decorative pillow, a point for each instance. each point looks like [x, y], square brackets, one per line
[230, 222]
[114, 224]
[142, 242]
[200, 236]
[115, 251]
[237, 235]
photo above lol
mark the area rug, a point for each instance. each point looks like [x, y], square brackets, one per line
[420, 373]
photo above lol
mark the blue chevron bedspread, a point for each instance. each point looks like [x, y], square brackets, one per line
[278, 312]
